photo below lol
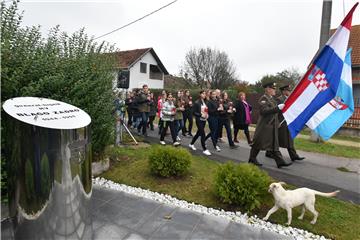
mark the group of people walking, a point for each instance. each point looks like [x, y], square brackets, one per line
[213, 107]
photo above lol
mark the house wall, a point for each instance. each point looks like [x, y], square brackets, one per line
[137, 79]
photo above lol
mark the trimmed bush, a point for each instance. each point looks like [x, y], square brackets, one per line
[169, 161]
[241, 184]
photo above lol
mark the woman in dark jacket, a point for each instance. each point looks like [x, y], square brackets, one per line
[213, 120]
[200, 111]
[242, 117]
[224, 118]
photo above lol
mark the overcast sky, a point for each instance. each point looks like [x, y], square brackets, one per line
[260, 36]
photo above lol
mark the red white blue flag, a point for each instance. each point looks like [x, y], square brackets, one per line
[330, 117]
[320, 83]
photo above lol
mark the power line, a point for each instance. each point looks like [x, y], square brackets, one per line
[128, 24]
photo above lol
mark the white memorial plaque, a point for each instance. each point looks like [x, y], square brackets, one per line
[46, 113]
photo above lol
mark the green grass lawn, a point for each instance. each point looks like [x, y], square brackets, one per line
[327, 148]
[336, 136]
[337, 219]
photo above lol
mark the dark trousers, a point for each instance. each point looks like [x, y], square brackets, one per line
[292, 153]
[130, 118]
[214, 126]
[144, 120]
[160, 125]
[179, 124]
[276, 155]
[226, 123]
[200, 133]
[246, 132]
[172, 130]
[151, 122]
[187, 116]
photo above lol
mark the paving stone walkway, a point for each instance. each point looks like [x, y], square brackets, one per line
[118, 215]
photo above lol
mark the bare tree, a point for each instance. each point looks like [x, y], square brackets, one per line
[210, 68]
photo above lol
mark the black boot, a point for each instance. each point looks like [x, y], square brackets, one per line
[250, 142]
[293, 155]
[255, 162]
[269, 154]
[280, 162]
[252, 159]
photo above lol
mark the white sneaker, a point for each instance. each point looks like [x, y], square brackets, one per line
[192, 147]
[218, 149]
[162, 143]
[178, 138]
[207, 153]
[176, 143]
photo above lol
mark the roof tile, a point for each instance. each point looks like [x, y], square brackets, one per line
[126, 58]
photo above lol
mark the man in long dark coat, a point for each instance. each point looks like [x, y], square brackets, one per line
[266, 133]
[285, 140]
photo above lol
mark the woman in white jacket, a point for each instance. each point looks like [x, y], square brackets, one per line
[168, 111]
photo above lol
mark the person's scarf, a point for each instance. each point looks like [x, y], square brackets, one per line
[247, 112]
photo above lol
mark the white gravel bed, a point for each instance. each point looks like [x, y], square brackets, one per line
[238, 217]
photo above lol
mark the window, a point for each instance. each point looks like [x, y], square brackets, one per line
[143, 67]
[155, 72]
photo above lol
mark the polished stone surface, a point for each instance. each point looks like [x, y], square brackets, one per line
[118, 215]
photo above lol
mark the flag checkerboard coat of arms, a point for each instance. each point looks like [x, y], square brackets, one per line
[318, 78]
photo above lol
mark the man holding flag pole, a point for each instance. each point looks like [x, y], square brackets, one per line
[317, 88]
[320, 83]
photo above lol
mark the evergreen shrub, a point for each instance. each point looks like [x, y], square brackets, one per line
[241, 184]
[169, 161]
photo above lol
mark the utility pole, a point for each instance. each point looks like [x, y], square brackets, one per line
[324, 36]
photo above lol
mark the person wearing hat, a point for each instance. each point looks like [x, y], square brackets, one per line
[285, 140]
[266, 133]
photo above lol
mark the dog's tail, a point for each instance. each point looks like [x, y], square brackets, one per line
[331, 194]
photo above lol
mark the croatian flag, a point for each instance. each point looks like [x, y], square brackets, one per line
[334, 114]
[320, 83]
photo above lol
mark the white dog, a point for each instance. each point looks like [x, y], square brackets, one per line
[287, 199]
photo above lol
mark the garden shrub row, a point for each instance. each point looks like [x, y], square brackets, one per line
[235, 184]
